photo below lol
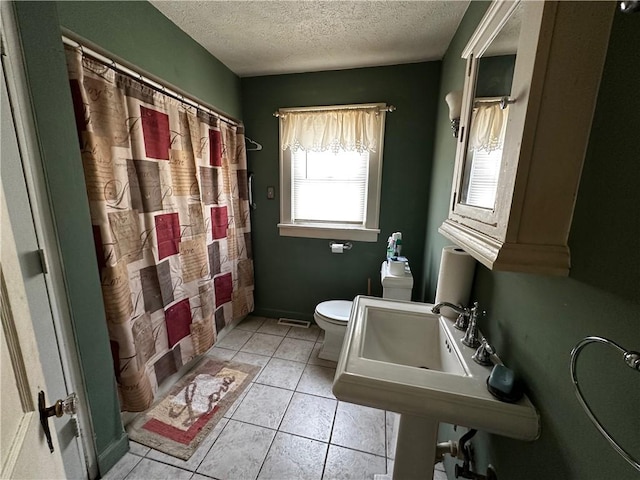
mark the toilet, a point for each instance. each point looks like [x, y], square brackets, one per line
[332, 316]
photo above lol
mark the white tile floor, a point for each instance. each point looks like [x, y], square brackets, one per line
[286, 426]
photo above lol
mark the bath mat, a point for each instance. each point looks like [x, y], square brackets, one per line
[178, 422]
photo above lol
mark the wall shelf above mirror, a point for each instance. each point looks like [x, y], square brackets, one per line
[532, 78]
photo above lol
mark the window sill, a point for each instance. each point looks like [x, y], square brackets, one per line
[334, 232]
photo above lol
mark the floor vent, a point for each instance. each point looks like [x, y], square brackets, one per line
[294, 323]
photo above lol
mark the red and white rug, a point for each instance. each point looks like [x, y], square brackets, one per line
[178, 422]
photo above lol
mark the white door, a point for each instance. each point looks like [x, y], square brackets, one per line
[24, 450]
[30, 359]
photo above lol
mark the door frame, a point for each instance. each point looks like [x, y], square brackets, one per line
[45, 231]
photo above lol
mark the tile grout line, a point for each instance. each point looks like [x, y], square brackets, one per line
[386, 445]
[153, 460]
[266, 455]
[306, 363]
[132, 468]
[333, 422]
[211, 447]
[276, 434]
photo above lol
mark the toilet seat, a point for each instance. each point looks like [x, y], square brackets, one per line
[334, 311]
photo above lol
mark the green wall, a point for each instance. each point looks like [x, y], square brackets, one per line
[534, 321]
[294, 274]
[136, 32]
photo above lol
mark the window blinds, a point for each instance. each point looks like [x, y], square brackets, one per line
[330, 187]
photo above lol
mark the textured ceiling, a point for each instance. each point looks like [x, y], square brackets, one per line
[273, 37]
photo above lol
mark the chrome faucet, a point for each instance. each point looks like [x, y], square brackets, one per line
[458, 308]
[468, 321]
[484, 353]
[470, 338]
[463, 313]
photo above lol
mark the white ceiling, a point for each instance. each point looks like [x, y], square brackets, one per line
[274, 37]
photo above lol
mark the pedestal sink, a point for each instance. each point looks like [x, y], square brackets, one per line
[400, 356]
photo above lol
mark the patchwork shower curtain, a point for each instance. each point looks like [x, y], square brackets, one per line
[168, 195]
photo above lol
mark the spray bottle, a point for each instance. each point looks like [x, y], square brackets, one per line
[390, 247]
[397, 244]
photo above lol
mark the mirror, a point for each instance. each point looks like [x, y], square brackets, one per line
[489, 114]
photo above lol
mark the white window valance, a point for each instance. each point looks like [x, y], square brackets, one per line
[488, 127]
[348, 129]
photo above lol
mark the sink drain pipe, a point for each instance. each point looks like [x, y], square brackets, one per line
[447, 448]
[457, 449]
[467, 454]
[462, 451]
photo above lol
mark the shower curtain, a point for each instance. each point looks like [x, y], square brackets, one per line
[168, 196]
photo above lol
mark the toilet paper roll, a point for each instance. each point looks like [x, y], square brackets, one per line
[455, 278]
[337, 248]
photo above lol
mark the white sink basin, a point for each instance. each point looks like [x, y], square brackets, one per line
[386, 345]
[404, 337]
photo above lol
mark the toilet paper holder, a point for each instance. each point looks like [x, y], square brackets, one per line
[345, 245]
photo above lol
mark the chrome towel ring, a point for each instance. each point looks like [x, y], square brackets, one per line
[632, 360]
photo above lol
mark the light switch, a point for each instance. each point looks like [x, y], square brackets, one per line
[271, 193]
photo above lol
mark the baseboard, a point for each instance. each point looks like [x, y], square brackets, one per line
[112, 454]
[272, 313]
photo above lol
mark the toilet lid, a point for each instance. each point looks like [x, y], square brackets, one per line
[335, 310]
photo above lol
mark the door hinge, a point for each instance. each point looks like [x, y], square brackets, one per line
[76, 426]
[43, 261]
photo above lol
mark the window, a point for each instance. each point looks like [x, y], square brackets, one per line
[480, 181]
[331, 171]
[484, 156]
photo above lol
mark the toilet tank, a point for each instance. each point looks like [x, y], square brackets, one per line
[396, 287]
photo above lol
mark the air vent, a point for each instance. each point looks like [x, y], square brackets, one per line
[294, 323]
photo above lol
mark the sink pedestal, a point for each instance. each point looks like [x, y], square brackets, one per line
[415, 449]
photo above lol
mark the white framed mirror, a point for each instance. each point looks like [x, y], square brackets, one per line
[491, 59]
[489, 113]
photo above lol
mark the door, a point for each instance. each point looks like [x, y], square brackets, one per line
[30, 359]
[24, 450]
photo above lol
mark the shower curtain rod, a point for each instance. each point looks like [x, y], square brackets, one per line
[133, 71]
